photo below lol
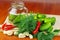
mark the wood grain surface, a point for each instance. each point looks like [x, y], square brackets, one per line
[6, 37]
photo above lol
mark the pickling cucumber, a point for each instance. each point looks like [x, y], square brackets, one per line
[12, 17]
[47, 20]
[53, 20]
[45, 26]
[50, 19]
[50, 29]
[41, 15]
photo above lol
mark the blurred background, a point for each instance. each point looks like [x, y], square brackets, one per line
[42, 6]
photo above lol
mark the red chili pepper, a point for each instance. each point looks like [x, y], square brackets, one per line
[37, 28]
[7, 27]
[3, 26]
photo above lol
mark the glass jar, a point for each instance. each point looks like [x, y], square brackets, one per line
[15, 9]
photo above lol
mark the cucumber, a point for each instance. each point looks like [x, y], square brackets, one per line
[50, 29]
[47, 20]
[17, 19]
[45, 26]
[12, 17]
[53, 20]
[41, 16]
[50, 19]
[41, 19]
[35, 16]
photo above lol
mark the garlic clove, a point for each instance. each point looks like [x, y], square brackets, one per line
[30, 36]
[16, 33]
[21, 35]
[26, 33]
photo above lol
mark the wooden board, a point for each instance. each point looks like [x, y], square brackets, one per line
[6, 37]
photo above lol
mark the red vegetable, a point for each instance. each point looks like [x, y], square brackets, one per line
[37, 28]
[3, 26]
[7, 27]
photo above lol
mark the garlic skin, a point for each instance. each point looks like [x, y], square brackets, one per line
[21, 35]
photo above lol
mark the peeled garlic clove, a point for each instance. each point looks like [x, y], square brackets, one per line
[30, 36]
[4, 32]
[21, 35]
[26, 33]
[9, 32]
[16, 33]
[15, 29]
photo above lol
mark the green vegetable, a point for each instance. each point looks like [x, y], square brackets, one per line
[19, 18]
[12, 17]
[27, 24]
[43, 36]
[56, 31]
[50, 19]
[53, 20]
[39, 36]
[35, 35]
[46, 20]
[45, 26]
[35, 16]
[50, 29]
[41, 17]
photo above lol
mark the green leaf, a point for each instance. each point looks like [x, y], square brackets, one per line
[26, 23]
[55, 32]
[39, 36]
[43, 36]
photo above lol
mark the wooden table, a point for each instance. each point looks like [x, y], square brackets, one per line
[6, 37]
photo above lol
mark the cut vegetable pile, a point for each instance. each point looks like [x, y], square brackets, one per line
[31, 25]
